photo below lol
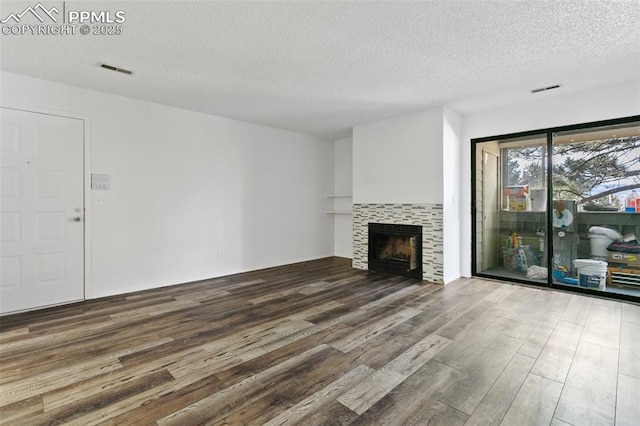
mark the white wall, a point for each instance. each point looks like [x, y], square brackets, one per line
[414, 142]
[186, 185]
[414, 159]
[451, 139]
[343, 184]
[547, 111]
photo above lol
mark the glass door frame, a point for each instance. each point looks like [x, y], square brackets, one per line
[549, 132]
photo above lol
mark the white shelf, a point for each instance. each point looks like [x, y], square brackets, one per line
[338, 207]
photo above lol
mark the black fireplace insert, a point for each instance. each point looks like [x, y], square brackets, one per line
[395, 249]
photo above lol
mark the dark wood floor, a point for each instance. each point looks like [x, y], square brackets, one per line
[321, 343]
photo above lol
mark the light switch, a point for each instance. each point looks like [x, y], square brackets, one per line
[100, 181]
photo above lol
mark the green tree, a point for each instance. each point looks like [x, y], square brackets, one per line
[525, 166]
[585, 166]
[513, 169]
[533, 174]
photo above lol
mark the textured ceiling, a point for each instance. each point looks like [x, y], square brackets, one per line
[321, 67]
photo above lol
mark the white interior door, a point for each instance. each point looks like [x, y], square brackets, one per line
[42, 229]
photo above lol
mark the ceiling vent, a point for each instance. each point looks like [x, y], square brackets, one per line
[112, 68]
[544, 89]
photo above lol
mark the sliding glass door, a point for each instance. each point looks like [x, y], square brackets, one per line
[596, 179]
[511, 205]
[560, 207]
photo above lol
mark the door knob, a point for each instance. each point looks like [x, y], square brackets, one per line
[77, 219]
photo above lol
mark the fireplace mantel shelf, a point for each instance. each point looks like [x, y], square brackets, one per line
[338, 212]
[337, 195]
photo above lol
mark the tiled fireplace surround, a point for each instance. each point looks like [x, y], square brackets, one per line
[429, 216]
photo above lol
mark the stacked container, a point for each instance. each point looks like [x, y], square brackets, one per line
[632, 203]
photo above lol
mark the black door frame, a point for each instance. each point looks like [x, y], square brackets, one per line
[548, 235]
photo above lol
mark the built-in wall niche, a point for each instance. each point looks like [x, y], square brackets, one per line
[339, 204]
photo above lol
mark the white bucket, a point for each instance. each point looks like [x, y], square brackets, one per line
[591, 273]
[538, 199]
[599, 244]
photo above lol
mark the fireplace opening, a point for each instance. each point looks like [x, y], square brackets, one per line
[395, 249]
